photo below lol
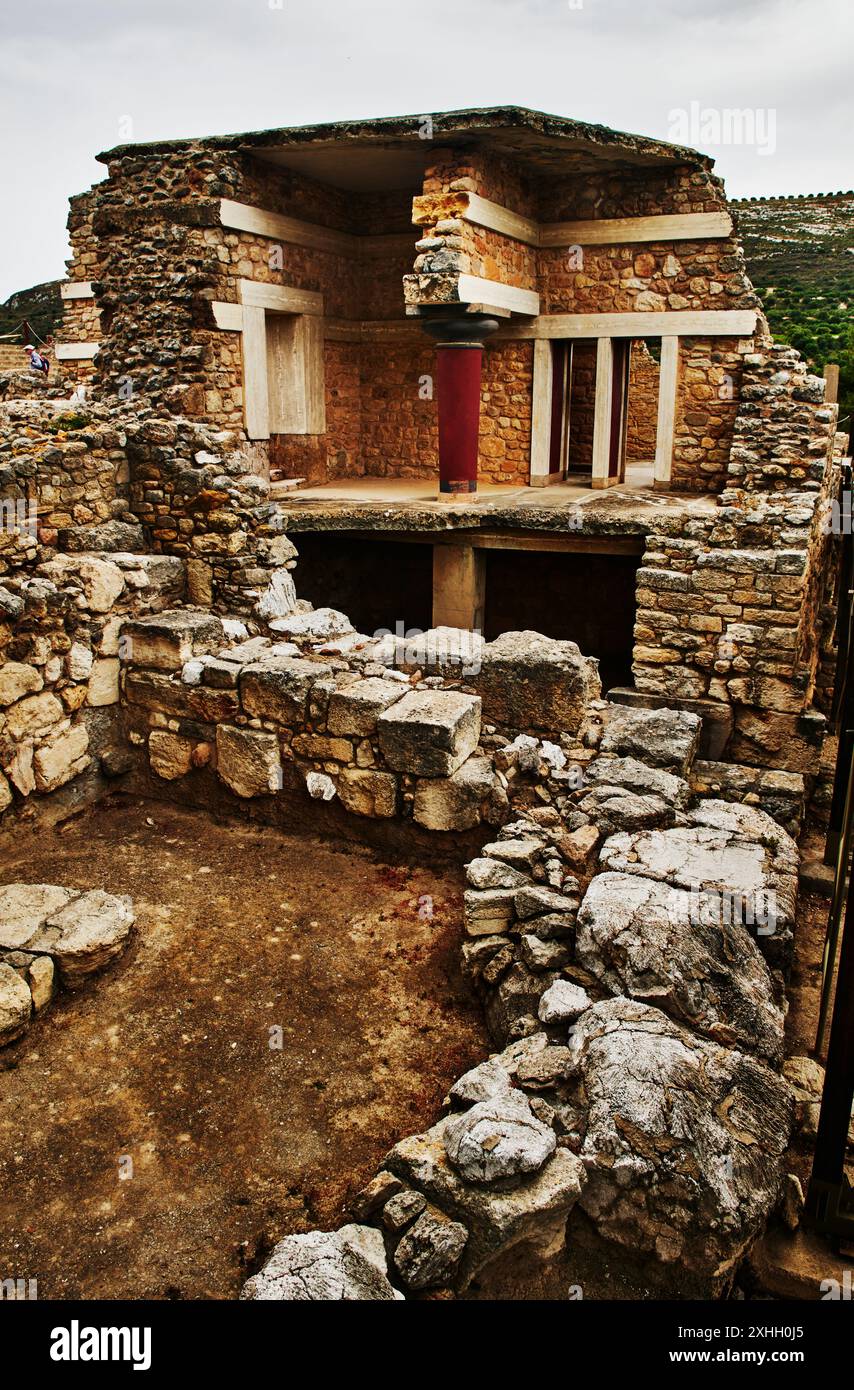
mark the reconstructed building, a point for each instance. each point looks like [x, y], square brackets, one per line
[499, 307]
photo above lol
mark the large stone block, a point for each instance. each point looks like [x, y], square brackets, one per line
[368, 793]
[430, 733]
[664, 737]
[166, 641]
[355, 709]
[247, 761]
[57, 762]
[347, 1266]
[17, 680]
[454, 803]
[16, 1004]
[169, 754]
[530, 681]
[278, 688]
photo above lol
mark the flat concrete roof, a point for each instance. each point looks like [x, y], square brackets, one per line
[389, 151]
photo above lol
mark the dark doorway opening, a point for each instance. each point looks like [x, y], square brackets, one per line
[377, 583]
[588, 599]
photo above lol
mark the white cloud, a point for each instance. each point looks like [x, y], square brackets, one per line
[195, 67]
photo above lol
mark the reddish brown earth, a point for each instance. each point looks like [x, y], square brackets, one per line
[165, 1058]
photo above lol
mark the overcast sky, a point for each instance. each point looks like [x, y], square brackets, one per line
[79, 76]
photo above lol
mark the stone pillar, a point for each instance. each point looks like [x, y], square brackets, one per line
[459, 356]
[459, 587]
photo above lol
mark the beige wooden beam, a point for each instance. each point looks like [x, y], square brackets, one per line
[618, 231]
[496, 218]
[282, 299]
[256, 412]
[689, 323]
[474, 289]
[242, 217]
[602, 415]
[668, 385]
[541, 413]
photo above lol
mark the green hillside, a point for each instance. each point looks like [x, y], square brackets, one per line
[800, 256]
[41, 306]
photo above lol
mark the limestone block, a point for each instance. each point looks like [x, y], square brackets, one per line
[454, 803]
[101, 580]
[684, 1140]
[78, 663]
[278, 687]
[319, 626]
[429, 1254]
[34, 716]
[17, 680]
[368, 793]
[248, 762]
[430, 733]
[320, 747]
[498, 1139]
[103, 686]
[563, 1002]
[530, 681]
[55, 763]
[165, 641]
[170, 755]
[82, 935]
[19, 769]
[355, 709]
[348, 1266]
[41, 978]
[15, 1004]
[649, 941]
[663, 737]
[24, 908]
[5, 793]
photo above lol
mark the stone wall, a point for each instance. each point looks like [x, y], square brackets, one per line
[642, 404]
[728, 606]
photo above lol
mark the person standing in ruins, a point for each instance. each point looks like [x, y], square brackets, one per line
[38, 363]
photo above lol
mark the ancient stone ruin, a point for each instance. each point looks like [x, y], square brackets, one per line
[562, 507]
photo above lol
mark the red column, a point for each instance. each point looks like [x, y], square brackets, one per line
[459, 356]
[458, 371]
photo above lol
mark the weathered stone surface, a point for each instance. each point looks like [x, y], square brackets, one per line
[375, 1195]
[488, 912]
[166, 641]
[278, 598]
[103, 686]
[401, 1210]
[734, 852]
[17, 679]
[429, 733]
[647, 940]
[684, 1139]
[540, 953]
[24, 908]
[33, 716]
[41, 977]
[455, 802]
[497, 1139]
[322, 625]
[15, 1004]
[535, 1208]
[563, 1002]
[92, 930]
[627, 795]
[55, 763]
[534, 900]
[486, 873]
[355, 709]
[247, 761]
[663, 737]
[368, 793]
[170, 755]
[325, 1266]
[277, 688]
[101, 580]
[5, 793]
[516, 998]
[320, 786]
[429, 1254]
[530, 681]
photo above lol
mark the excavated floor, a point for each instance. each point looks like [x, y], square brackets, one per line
[165, 1059]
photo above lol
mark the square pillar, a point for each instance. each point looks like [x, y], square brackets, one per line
[602, 415]
[459, 587]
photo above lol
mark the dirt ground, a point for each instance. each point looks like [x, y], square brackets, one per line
[153, 1144]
